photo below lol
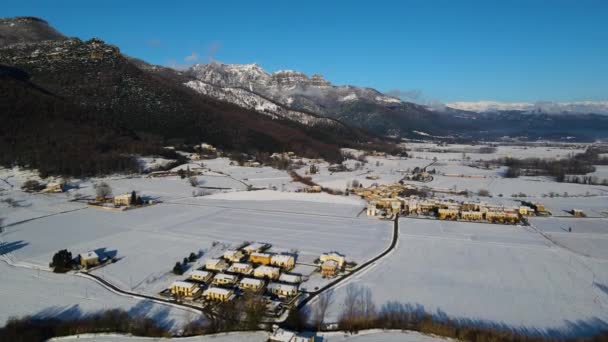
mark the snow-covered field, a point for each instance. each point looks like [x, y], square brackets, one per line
[489, 274]
[589, 237]
[150, 240]
[44, 294]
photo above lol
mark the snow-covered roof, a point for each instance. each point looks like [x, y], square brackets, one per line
[201, 274]
[240, 265]
[267, 269]
[254, 246]
[282, 258]
[284, 287]
[182, 284]
[214, 262]
[224, 276]
[217, 290]
[261, 255]
[251, 281]
[89, 255]
[290, 278]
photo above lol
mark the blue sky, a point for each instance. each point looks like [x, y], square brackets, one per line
[447, 50]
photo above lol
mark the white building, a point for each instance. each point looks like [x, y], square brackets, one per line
[340, 259]
[267, 272]
[224, 279]
[233, 255]
[240, 267]
[283, 290]
[283, 260]
[201, 275]
[216, 265]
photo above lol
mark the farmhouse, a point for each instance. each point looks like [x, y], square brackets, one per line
[260, 258]
[290, 278]
[89, 259]
[233, 255]
[203, 276]
[525, 211]
[333, 256]
[283, 290]
[219, 294]
[251, 284]
[266, 272]
[313, 189]
[283, 260]
[216, 265]
[329, 268]
[185, 289]
[242, 268]
[123, 200]
[224, 279]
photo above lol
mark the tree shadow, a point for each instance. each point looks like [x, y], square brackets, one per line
[9, 247]
[104, 253]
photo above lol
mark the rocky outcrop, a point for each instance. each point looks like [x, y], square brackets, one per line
[26, 30]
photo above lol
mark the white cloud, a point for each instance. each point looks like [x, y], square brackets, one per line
[191, 58]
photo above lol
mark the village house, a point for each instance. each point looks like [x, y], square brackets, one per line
[185, 289]
[329, 268]
[89, 259]
[371, 209]
[290, 278]
[282, 290]
[242, 268]
[340, 259]
[54, 187]
[267, 272]
[578, 213]
[233, 255]
[254, 247]
[471, 215]
[123, 200]
[526, 211]
[313, 189]
[447, 214]
[502, 216]
[224, 279]
[203, 276]
[219, 265]
[260, 258]
[251, 284]
[219, 294]
[283, 260]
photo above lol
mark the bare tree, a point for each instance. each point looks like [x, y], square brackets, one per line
[103, 190]
[324, 300]
[193, 181]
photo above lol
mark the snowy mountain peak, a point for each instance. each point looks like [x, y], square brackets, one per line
[577, 107]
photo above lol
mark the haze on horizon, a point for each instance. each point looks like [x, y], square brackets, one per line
[423, 51]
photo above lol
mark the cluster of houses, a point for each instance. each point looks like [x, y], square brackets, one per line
[250, 268]
[386, 200]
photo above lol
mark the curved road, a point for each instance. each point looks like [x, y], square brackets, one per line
[357, 270]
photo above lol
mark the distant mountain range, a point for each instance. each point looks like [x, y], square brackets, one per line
[291, 93]
[82, 107]
[579, 107]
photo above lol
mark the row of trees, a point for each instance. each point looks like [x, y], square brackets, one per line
[31, 329]
[180, 268]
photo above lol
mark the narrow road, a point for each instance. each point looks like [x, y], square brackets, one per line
[361, 267]
[159, 300]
